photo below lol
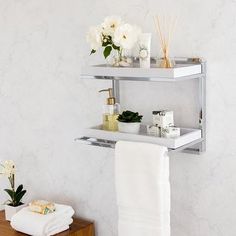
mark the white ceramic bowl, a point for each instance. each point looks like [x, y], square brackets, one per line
[132, 128]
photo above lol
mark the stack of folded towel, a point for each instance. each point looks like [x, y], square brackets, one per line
[43, 219]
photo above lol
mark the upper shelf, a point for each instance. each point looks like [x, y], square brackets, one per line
[185, 68]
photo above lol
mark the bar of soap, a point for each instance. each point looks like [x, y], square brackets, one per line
[163, 118]
[170, 132]
[42, 207]
[153, 130]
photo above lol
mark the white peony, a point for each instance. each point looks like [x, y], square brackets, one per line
[110, 24]
[126, 36]
[94, 37]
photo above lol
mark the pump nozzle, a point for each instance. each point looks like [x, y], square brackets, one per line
[110, 100]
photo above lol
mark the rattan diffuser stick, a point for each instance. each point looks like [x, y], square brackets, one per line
[165, 34]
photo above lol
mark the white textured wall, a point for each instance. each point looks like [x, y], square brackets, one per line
[44, 105]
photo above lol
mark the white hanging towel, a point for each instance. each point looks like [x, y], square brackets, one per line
[143, 189]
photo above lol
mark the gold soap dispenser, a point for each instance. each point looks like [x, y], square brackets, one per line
[110, 112]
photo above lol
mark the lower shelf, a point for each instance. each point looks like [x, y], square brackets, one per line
[99, 137]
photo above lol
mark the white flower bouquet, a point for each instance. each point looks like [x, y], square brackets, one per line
[113, 35]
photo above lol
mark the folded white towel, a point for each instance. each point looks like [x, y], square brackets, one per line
[143, 189]
[36, 224]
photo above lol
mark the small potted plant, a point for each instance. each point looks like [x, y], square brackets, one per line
[14, 204]
[129, 122]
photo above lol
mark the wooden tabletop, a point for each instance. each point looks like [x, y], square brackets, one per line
[79, 227]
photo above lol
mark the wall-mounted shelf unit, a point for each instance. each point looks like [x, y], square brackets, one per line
[191, 140]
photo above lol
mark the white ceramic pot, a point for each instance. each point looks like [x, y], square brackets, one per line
[132, 128]
[11, 211]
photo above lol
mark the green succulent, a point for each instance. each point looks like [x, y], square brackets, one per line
[129, 117]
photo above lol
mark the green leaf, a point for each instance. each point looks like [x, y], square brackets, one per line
[19, 196]
[10, 193]
[106, 40]
[92, 51]
[107, 51]
[19, 189]
[115, 47]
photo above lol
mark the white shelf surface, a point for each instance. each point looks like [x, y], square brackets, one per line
[187, 136]
[179, 72]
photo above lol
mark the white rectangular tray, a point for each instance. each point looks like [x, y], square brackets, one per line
[180, 70]
[187, 136]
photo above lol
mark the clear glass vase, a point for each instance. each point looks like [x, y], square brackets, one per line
[118, 58]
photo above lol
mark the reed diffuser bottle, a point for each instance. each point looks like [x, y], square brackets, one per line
[165, 33]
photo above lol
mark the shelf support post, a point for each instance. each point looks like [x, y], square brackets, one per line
[116, 89]
[201, 147]
[202, 110]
